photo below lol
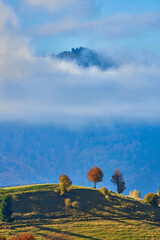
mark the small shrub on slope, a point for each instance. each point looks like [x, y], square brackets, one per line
[68, 202]
[104, 191]
[76, 204]
[152, 199]
[57, 191]
[135, 194]
[110, 192]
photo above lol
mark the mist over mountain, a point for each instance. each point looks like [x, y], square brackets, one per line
[85, 57]
[41, 152]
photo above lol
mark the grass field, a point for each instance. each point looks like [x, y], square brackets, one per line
[40, 210]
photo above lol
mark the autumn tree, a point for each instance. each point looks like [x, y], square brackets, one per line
[152, 198]
[23, 236]
[117, 178]
[135, 194]
[64, 183]
[6, 209]
[95, 175]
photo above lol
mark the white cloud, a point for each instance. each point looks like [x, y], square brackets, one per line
[118, 25]
[37, 89]
[127, 25]
[75, 8]
[50, 4]
[61, 12]
[7, 16]
[57, 27]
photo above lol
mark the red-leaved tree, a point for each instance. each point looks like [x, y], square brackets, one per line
[95, 175]
[117, 178]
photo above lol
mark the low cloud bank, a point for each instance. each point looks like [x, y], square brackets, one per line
[48, 90]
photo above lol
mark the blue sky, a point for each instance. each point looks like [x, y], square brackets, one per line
[43, 89]
[131, 7]
[38, 22]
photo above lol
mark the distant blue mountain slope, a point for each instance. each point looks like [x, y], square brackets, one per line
[39, 154]
[85, 57]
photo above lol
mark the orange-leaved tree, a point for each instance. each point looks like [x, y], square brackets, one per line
[64, 183]
[117, 178]
[95, 175]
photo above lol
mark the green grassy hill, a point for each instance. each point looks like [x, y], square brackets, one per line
[40, 210]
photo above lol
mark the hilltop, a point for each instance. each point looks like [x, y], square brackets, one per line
[40, 210]
[86, 57]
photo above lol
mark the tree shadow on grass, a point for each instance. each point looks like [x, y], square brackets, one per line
[94, 206]
[42, 228]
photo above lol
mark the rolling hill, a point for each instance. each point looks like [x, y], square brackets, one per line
[40, 210]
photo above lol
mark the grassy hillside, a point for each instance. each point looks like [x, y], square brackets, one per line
[39, 209]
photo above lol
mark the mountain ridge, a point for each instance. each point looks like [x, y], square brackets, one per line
[86, 58]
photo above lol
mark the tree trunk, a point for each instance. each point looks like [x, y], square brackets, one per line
[94, 185]
[117, 186]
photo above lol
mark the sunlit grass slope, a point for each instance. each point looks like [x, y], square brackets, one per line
[39, 209]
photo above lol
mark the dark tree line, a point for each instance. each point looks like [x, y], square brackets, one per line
[6, 209]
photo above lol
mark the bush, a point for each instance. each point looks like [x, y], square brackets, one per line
[25, 236]
[110, 192]
[76, 204]
[64, 184]
[104, 191]
[56, 191]
[2, 238]
[68, 202]
[135, 194]
[14, 238]
[152, 199]
[107, 197]
[69, 189]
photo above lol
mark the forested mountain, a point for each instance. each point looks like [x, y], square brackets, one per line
[40, 154]
[85, 57]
